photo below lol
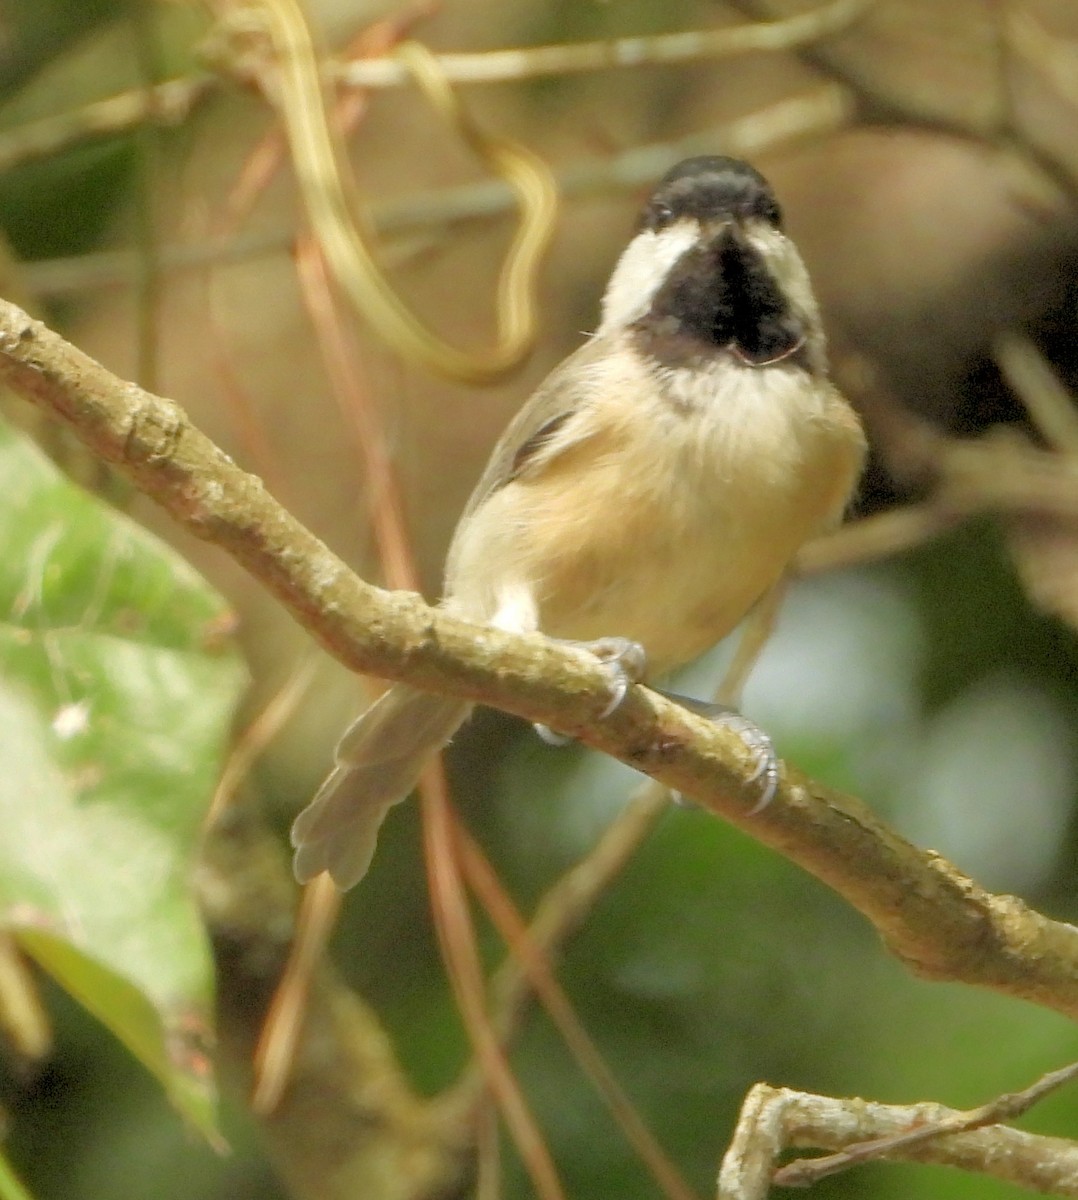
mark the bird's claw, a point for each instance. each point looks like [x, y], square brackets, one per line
[765, 760]
[549, 736]
[626, 662]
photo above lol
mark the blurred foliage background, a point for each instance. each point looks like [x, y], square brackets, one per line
[940, 684]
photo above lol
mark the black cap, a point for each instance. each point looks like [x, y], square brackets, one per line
[709, 188]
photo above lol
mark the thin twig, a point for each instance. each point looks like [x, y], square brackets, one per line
[813, 114]
[456, 938]
[1050, 405]
[385, 506]
[531, 961]
[569, 902]
[452, 918]
[168, 103]
[805, 1171]
[259, 733]
[530, 62]
[456, 931]
[905, 106]
[171, 102]
[880, 536]
[774, 1119]
[147, 56]
[274, 1058]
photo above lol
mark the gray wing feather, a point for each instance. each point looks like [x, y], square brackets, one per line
[564, 392]
[379, 760]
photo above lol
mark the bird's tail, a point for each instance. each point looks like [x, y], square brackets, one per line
[379, 761]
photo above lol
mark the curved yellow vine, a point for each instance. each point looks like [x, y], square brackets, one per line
[345, 235]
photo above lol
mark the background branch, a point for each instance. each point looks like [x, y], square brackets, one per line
[818, 111]
[774, 1119]
[171, 101]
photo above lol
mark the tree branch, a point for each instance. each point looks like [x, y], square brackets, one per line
[942, 924]
[775, 1119]
[803, 1172]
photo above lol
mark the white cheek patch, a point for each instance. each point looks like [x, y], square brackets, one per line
[642, 270]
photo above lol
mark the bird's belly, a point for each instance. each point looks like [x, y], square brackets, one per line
[666, 528]
[671, 538]
[641, 576]
[673, 576]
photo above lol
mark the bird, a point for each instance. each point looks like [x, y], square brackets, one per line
[650, 493]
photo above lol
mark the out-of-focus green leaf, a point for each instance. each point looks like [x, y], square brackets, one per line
[10, 1186]
[117, 686]
[35, 34]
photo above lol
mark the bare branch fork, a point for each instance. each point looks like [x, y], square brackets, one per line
[942, 924]
[774, 1119]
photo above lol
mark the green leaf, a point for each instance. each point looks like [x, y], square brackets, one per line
[117, 689]
[11, 1187]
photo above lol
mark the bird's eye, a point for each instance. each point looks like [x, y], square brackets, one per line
[772, 213]
[659, 215]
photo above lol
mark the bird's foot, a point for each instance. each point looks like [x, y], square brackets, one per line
[626, 662]
[765, 760]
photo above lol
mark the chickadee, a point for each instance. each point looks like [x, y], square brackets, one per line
[656, 486]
